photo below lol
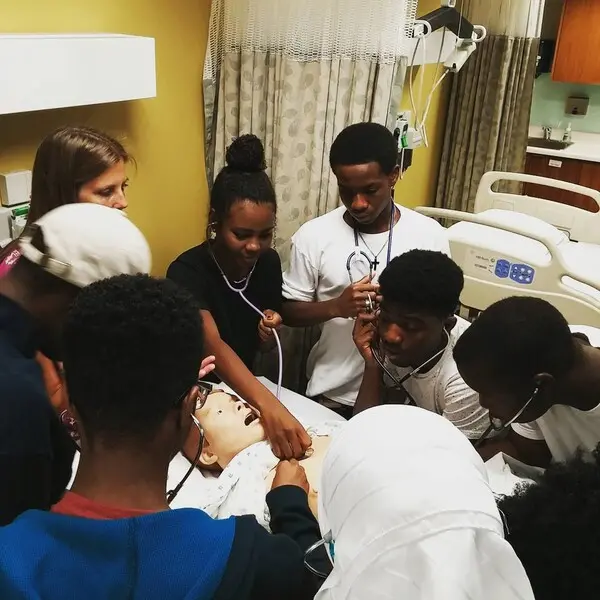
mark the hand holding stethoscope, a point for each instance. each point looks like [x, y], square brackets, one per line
[364, 335]
[358, 298]
[366, 339]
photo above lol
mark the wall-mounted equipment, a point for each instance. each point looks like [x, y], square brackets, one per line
[12, 222]
[577, 105]
[15, 187]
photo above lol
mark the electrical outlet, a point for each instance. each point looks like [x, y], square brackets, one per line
[577, 106]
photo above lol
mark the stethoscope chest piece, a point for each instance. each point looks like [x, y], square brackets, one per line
[360, 257]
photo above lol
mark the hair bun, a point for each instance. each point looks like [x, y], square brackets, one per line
[246, 153]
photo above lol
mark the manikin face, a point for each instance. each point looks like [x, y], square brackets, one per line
[107, 189]
[230, 426]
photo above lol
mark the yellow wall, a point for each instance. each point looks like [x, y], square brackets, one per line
[168, 195]
[418, 186]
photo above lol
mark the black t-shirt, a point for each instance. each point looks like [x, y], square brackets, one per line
[237, 322]
[36, 452]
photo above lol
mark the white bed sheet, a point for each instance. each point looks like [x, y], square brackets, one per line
[505, 474]
[303, 408]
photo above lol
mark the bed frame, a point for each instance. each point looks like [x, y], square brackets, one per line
[496, 255]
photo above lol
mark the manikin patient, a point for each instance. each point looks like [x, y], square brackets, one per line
[232, 429]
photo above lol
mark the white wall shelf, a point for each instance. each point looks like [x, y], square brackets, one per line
[40, 72]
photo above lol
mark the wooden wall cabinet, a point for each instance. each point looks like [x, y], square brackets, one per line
[578, 44]
[574, 171]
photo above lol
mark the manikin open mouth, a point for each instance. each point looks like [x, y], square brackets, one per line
[250, 418]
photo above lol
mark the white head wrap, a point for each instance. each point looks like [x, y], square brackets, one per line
[406, 500]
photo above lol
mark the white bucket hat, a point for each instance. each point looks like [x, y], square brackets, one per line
[87, 243]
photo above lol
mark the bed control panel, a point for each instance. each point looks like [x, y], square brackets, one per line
[518, 272]
[490, 265]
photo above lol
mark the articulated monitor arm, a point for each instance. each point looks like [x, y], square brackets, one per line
[451, 19]
[468, 34]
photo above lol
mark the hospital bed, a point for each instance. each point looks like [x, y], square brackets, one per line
[302, 408]
[515, 245]
[504, 477]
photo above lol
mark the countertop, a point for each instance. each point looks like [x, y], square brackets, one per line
[586, 146]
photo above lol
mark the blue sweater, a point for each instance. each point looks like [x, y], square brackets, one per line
[172, 555]
[179, 554]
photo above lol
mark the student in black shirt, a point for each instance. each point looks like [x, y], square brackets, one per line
[241, 224]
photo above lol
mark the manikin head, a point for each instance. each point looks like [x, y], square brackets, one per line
[420, 292]
[230, 426]
[243, 205]
[364, 159]
[518, 349]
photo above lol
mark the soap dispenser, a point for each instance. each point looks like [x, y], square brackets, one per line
[567, 137]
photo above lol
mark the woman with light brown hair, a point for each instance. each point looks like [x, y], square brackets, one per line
[72, 164]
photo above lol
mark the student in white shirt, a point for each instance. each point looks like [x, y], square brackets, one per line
[531, 368]
[415, 332]
[332, 256]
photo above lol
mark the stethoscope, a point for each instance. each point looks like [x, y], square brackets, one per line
[399, 382]
[204, 389]
[240, 291]
[358, 253]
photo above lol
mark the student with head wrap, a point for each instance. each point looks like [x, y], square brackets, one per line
[409, 513]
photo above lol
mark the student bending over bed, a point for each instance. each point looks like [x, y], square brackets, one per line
[406, 506]
[132, 349]
[235, 445]
[238, 257]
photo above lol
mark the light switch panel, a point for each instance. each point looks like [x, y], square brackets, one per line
[577, 106]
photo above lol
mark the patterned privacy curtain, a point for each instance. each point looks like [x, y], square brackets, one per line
[295, 74]
[488, 117]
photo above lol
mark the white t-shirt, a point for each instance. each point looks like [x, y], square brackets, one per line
[443, 391]
[318, 272]
[564, 428]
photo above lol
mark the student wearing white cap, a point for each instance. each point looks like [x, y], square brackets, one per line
[407, 510]
[65, 250]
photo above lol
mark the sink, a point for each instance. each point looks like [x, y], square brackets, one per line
[548, 144]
